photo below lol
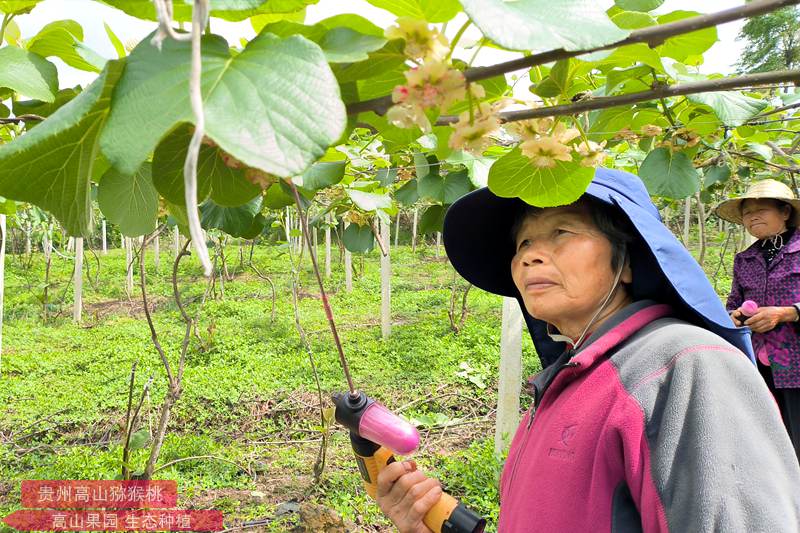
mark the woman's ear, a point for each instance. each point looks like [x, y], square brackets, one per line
[627, 273]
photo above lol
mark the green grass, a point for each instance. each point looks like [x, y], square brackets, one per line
[249, 397]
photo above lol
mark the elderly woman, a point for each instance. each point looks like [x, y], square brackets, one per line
[647, 416]
[768, 273]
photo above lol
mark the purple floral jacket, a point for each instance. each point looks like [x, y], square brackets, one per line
[778, 285]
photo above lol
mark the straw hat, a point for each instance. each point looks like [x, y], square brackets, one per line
[731, 210]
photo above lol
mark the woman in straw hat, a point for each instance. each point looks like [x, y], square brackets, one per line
[768, 274]
[649, 413]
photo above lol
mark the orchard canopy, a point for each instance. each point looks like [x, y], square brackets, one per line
[360, 119]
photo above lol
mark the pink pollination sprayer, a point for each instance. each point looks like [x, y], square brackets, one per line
[376, 434]
[748, 309]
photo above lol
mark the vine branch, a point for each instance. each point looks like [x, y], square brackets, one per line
[652, 36]
[723, 84]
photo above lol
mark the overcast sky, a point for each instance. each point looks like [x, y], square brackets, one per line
[91, 15]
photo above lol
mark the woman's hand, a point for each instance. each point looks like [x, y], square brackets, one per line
[405, 495]
[736, 317]
[768, 317]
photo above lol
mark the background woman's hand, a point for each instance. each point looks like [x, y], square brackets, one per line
[768, 317]
[405, 495]
[736, 317]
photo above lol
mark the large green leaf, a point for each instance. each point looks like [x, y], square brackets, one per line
[358, 238]
[64, 40]
[323, 174]
[7, 207]
[716, 174]
[275, 106]
[407, 194]
[235, 221]
[28, 74]
[638, 5]
[732, 108]
[432, 219]
[388, 63]
[430, 10]
[513, 176]
[276, 197]
[345, 45]
[369, 201]
[233, 10]
[17, 7]
[129, 201]
[43, 109]
[227, 186]
[456, 185]
[51, 165]
[431, 187]
[695, 43]
[544, 24]
[669, 174]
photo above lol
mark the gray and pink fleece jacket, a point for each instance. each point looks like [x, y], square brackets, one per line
[653, 424]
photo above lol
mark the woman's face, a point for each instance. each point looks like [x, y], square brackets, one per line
[764, 218]
[562, 267]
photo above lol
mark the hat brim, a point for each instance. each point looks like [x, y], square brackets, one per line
[478, 241]
[731, 210]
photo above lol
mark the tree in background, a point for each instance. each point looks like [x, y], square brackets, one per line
[773, 42]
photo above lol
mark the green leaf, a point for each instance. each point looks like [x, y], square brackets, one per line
[277, 198]
[513, 176]
[732, 108]
[407, 194]
[716, 174]
[608, 122]
[430, 10]
[344, 45]
[761, 149]
[543, 24]
[424, 165]
[280, 131]
[354, 22]
[115, 42]
[227, 186]
[432, 219]
[51, 166]
[358, 238]
[669, 174]
[260, 21]
[322, 175]
[12, 34]
[456, 185]
[7, 207]
[64, 40]
[638, 5]
[256, 228]
[235, 221]
[43, 109]
[386, 176]
[231, 10]
[129, 201]
[139, 440]
[634, 54]
[633, 20]
[27, 73]
[617, 77]
[368, 201]
[431, 187]
[17, 7]
[681, 47]
[384, 67]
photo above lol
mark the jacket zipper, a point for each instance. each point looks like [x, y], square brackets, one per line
[531, 412]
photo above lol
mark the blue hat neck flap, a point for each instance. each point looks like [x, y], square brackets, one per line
[663, 270]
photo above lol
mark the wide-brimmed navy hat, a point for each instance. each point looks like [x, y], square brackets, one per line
[478, 240]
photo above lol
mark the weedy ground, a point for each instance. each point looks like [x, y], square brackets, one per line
[246, 433]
